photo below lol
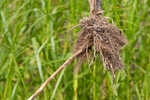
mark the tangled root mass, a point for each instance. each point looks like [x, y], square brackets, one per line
[106, 39]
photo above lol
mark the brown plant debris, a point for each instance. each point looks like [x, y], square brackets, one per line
[106, 39]
[97, 33]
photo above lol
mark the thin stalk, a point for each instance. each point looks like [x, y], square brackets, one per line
[55, 73]
[99, 4]
[75, 83]
[57, 84]
[95, 6]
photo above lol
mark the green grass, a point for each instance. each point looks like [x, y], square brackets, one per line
[35, 41]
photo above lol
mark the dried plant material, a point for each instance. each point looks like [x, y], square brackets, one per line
[106, 39]
[96, 32]
[55, 73]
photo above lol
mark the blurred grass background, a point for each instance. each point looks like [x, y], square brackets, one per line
[35, 41]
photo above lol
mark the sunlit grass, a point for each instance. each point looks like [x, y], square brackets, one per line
[35, 41]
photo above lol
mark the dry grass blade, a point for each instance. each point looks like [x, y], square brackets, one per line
[54, 74]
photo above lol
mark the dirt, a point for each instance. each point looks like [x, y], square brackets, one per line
[105, 38]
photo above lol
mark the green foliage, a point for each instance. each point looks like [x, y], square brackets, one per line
[35, 41]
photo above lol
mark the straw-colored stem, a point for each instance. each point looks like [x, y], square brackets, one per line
[54, 74]
[95, 7]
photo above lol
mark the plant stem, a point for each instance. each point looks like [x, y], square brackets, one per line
[99, 4]
[95, 6]
[54, 74]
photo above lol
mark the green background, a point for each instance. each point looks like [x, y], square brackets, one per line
[35, 40]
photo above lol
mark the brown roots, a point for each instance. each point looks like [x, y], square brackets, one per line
[97, 33]
[106, 39]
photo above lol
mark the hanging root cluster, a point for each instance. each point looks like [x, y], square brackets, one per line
[105, 38]
[97, 33]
